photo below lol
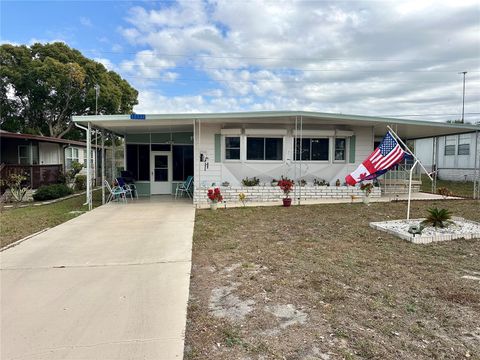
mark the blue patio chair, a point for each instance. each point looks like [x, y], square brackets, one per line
[185, 187]
[115, 193]
[130, 189]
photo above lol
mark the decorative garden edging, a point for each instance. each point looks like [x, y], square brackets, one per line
[274, 193]
[460, 229]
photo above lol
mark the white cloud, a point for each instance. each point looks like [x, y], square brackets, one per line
[85, 21]
[358, 57]
[107, 63]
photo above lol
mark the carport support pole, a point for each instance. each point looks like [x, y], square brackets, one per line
[476, 184]
[89, 166]
[410, 188]
[103, 167]
[113, 157]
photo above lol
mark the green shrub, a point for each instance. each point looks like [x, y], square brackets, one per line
[80, 182]
[50, 192]
[250, 182]
[437, 217]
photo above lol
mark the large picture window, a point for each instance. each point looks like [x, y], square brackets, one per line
[450, 145]
[464, 144]
[340, 146]
[312, 149]
[232, 147]
[262, 148]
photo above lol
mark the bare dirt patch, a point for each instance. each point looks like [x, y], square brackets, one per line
[318, 283]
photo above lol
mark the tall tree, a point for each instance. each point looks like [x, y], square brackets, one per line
[43, 85]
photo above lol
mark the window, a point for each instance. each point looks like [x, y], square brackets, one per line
[260, 148]
[232, 147]
[340, 146]
[182, 156]
[464, 144]
[450, 145]
[24, 154]
[138, 161]
[312, 149]
[71, 155]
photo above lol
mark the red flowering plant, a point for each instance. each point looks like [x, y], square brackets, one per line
[286, 185]
[215, 195]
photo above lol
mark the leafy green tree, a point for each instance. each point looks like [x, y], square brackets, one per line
[43, 85]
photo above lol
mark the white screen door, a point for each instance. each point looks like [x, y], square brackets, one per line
[161, 172]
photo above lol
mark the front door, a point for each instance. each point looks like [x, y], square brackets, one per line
[161, 175]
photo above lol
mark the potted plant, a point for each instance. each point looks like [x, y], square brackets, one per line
[215, 196]
[286, 185]
[367, 189]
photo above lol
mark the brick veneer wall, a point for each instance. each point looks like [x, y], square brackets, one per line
[274, 193]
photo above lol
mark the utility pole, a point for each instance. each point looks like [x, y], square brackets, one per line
[463, 97]
[97, 93]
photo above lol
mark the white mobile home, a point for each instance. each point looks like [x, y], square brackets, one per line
[453, 156]
[161, 150]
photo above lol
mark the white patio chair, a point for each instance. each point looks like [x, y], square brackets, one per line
[115, 193]
[185, 187]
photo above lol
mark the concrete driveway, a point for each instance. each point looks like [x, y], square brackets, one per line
[110, 284]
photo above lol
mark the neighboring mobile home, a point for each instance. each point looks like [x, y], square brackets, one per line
[162, 150]
[453, 156]
[42, 158]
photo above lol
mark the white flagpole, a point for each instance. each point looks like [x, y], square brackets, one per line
[410, 188]
[417, 161]
[409, 151]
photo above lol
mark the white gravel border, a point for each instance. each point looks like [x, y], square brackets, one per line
[459, 229]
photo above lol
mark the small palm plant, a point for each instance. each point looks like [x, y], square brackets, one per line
[437, 218]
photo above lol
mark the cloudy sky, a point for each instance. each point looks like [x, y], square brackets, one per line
[388, 58]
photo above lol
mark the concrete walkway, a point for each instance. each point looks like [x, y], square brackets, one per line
[110, 284]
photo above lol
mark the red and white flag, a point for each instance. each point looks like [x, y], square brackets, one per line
[388, 154]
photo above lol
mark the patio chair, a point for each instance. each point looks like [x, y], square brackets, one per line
[185, 187]
[115, 193]
[130, 189]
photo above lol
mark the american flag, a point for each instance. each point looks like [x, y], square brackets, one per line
[388, 154]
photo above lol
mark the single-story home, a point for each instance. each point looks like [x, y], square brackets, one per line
[222, 149]
[453, 156]
[41, 158]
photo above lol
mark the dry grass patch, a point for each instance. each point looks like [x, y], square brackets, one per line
[315, 282]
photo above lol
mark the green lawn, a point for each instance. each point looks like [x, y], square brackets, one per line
[20, 222]
[458, 188]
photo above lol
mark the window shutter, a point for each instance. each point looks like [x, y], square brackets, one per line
[218, 147]
[351, 157]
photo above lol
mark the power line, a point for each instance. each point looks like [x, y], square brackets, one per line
[293, 69]
[412, 115]
[264, 57]
[290, 81]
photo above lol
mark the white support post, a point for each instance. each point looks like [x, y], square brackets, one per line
[476, 166]
[301, 157]
[103, 167]
[113, 157]
[89, 166]
[410, 188]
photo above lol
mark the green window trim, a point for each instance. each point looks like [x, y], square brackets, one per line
[351, 157]
[218, 148]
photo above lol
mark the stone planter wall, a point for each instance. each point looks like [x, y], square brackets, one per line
[274, 193]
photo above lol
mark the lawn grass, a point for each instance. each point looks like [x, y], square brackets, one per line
[257, 273]
[20, 222]
[458, 188]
